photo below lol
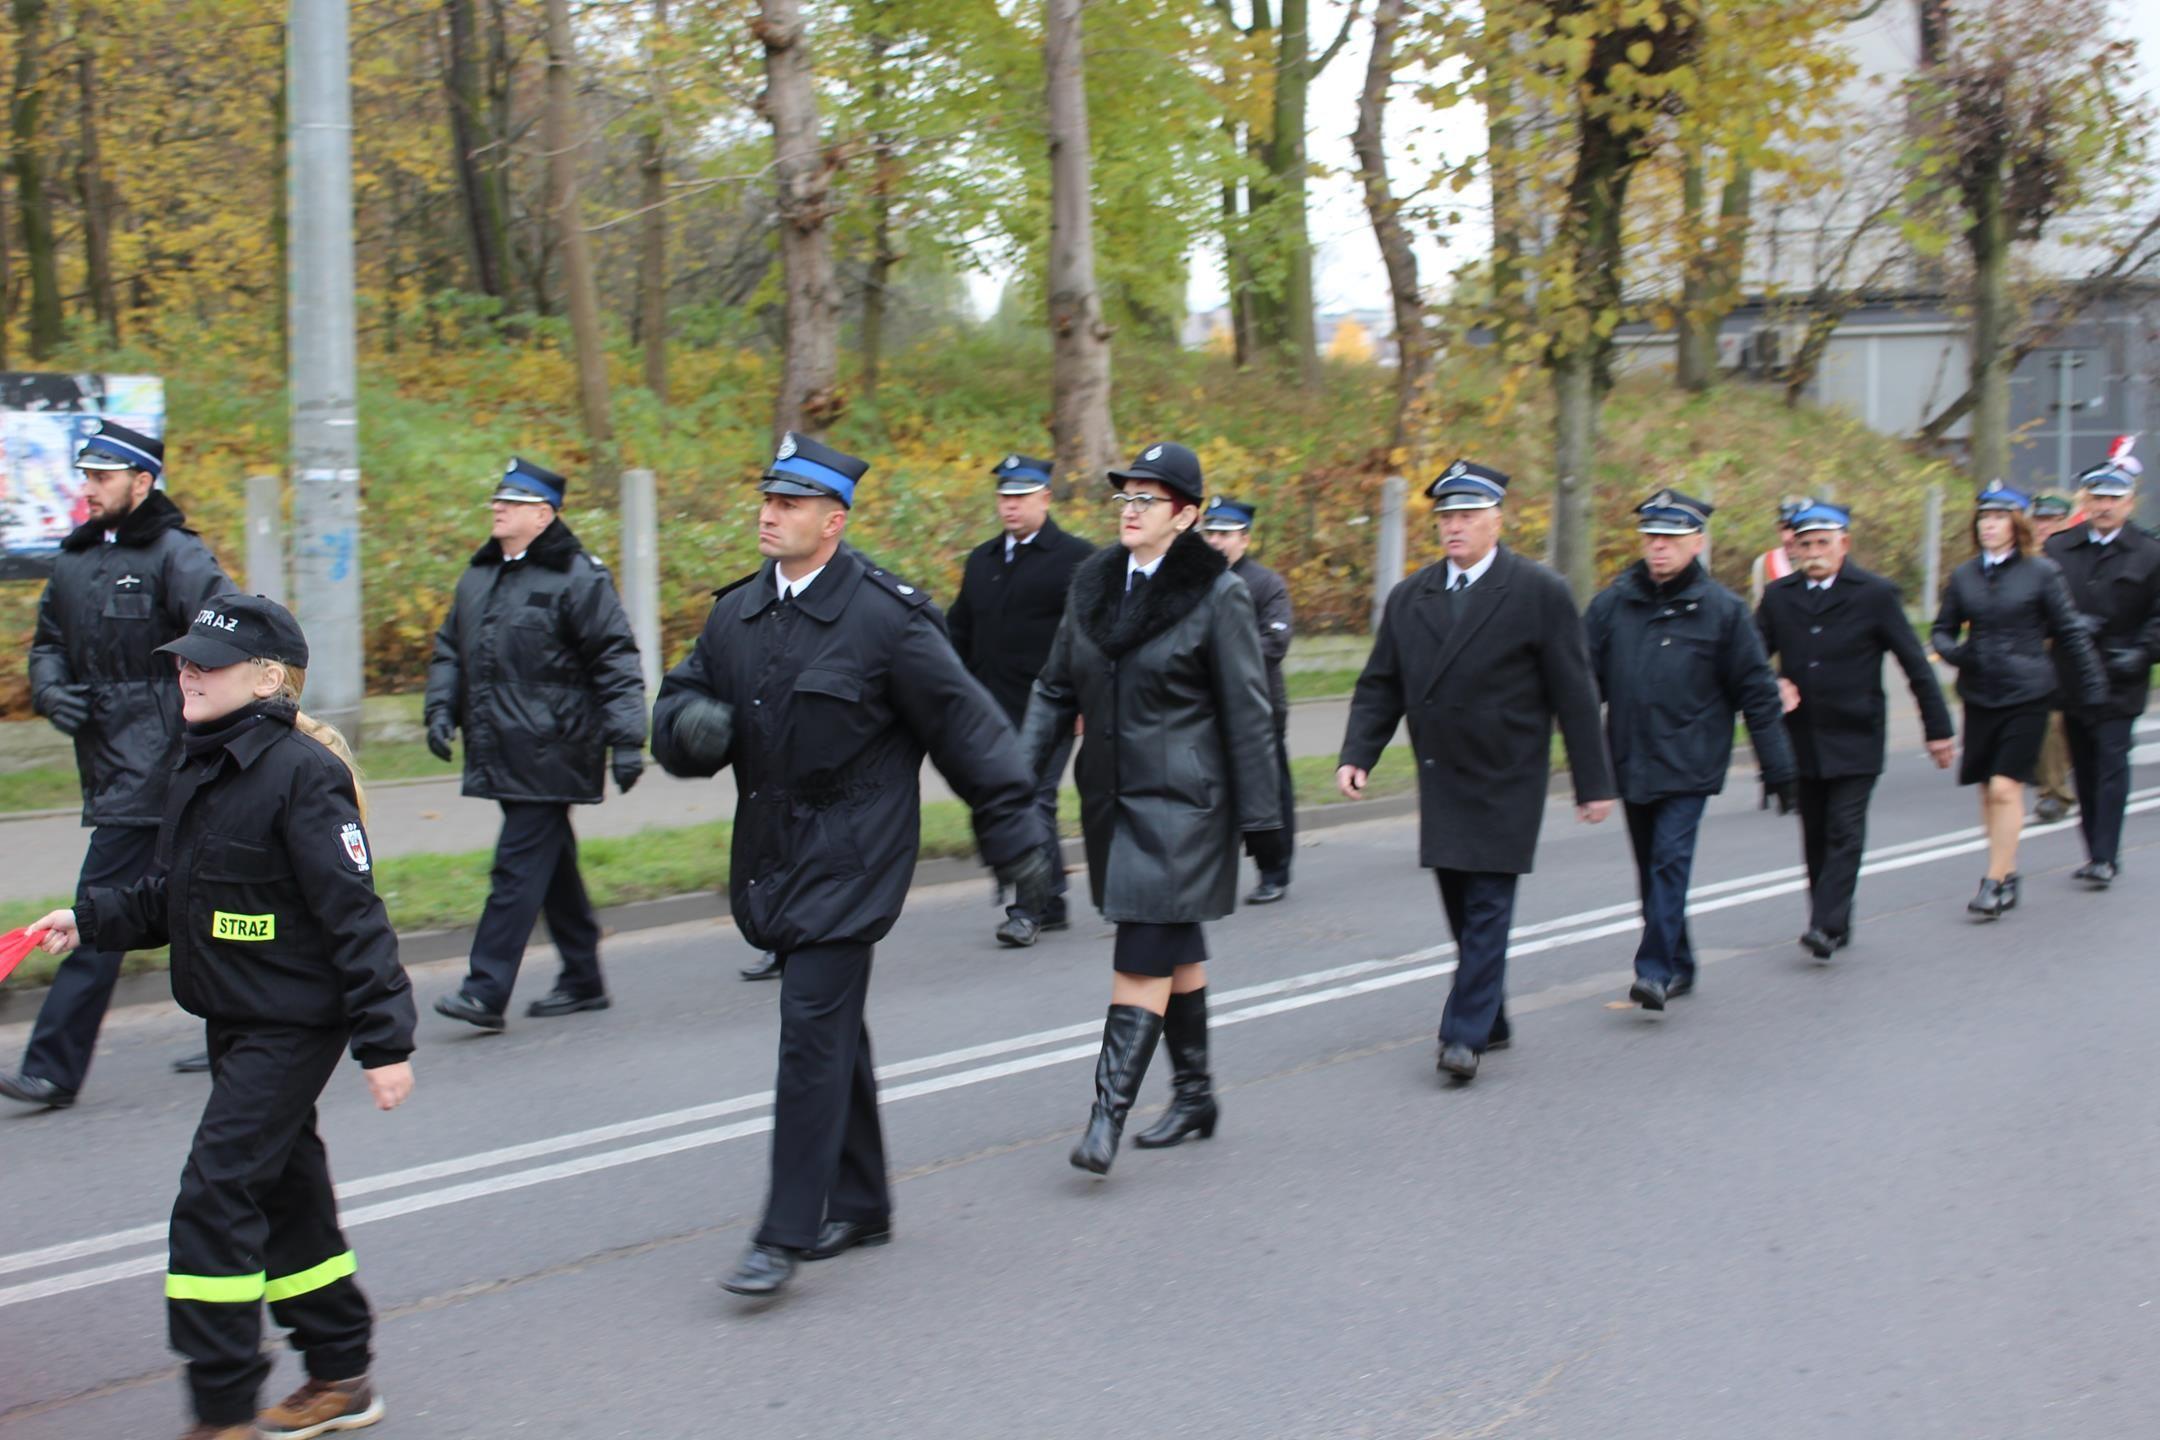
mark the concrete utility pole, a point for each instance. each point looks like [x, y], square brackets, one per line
[323, 380]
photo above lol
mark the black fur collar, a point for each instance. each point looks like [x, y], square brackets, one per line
[1189, 569]
[139, 526]
[554, 548]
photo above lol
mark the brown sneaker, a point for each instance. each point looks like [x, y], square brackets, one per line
[320, 1407]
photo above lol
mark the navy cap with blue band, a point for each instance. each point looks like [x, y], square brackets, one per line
[113, 446]
[803, 467]
[526, 483]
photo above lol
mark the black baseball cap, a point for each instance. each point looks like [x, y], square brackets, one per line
[1167, 464]
[232, 628]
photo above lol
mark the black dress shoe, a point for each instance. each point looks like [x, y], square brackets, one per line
[1459, 1061]
[1018, 930]
[2099, 874]
[1054, 919]
[36, 1090]
[1650, 994]
[1988, 902]
[562, 1002]
[836, 1236]
[195, 1064]
[1679, 986]
[763, 1270]
[459, 1006]
[767, 969]
[1267, 892]
[1820, 943]
[2050, 809]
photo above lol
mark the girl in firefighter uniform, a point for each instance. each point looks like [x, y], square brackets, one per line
[263, 888]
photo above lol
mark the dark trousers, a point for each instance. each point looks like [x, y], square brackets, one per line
[535, 873]
[256, 1220]
[2100, 758]
[67, 1024]
[1833, 833]
[1480, 909]
[1663, 834]
[828, 1155]
[1288, 801]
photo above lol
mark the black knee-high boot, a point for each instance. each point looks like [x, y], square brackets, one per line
[1192, 1095]
[1128, 1043]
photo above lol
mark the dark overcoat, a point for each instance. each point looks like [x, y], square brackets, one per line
[1482, 688]
[2117, 587]
[537, 665]
[1830, 644]
[1271, 607]
[1996, 625]
[1005, 617]
[105, 611]
[838, 695]
[1177, 757]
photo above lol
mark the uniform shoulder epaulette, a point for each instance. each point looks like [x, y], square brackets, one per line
[597, 562]
[734, 585]
[912, 596]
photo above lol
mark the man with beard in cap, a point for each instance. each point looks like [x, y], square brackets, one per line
[129, 579]
[1012, 596]
[823, 679]
[1675, 658]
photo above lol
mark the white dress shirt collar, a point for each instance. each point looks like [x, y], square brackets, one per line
[1475, 572]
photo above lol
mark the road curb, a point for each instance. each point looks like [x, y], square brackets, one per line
[420, 947]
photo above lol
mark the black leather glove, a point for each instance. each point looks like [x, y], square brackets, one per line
[1269, 850]
[2125, 662]
[67, 706]
[705, 731]
[439, 729]
[1788, 796]
[1033, 877]
[629, 764]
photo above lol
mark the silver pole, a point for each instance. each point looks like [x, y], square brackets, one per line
[641, 570]
[266, 537]
[1388, 561]
[324, 384]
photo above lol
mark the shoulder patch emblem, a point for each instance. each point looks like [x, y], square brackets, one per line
[354, 841]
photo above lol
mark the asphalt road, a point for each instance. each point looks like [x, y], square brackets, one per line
[1908, 1194]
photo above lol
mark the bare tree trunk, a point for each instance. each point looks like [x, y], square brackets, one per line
[1572, 544]
[1287, 163]
[1086, 442]
[1988, 237]
[652, 231]
[96, 192]
[1413, 346]
[1711, 284]
[1503, 168]
[563, 140]
[7, 279]
[280, 209]
[884, 254]
[31, 201]
[482, 198]
[1691, 367]
[809, 398]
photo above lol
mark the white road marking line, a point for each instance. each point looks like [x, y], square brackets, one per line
[1277, 997]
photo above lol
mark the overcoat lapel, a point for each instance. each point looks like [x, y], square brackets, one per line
[1470, 612]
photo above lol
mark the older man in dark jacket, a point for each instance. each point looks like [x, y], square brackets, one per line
[536, 664]
[1676, 656]
[1481, 653]
[1830, 624]
[130, 578]
[1228, 527]
[823, 679]
[1012, 596]
[2113, 570]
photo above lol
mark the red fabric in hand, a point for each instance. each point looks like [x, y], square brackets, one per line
[14, 946]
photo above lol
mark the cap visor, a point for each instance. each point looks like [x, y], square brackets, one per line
[208, 653]
[1465, 502]
[1666, 528]
[794, 485]
[1224, 525]
[102, 462]
[1021, 487]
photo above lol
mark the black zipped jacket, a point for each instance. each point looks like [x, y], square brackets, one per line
[263, 885]
[1994, 627]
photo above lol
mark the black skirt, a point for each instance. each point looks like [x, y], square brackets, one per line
[2003, 740]
[1156, 950]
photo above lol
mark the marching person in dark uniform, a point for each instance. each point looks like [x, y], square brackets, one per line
[2113, 569]
[129, 578]
[2056, 795]
[824, 679]
[1012, 596]
[536, 664]
[1999, 611]
[1481, 653]
[1228, 527]
[262, 887]
[1829, 627]
[1159, 656]
[1675, 658]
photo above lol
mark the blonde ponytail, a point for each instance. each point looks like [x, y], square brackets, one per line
[322, 733]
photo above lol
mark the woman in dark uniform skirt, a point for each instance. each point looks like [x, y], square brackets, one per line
[2000, 610]
[1159, 655]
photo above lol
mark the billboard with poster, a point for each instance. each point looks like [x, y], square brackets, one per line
[43, 421]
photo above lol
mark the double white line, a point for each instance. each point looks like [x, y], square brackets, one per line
[1016, 1055]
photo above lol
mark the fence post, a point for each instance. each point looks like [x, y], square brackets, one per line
[641, 570]
[1388, 561]
[266, 537]
[1931, 547]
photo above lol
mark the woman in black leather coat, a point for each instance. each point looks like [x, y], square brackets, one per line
[1159, 653]
[2000, 610]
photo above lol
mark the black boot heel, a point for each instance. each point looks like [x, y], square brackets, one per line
[1192, 1109]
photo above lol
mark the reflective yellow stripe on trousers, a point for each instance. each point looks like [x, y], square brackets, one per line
[336, 1268]
[216, 1289]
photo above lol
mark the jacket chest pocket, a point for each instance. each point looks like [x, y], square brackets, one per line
[129, 605]
[242, 895]
[828, 723]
